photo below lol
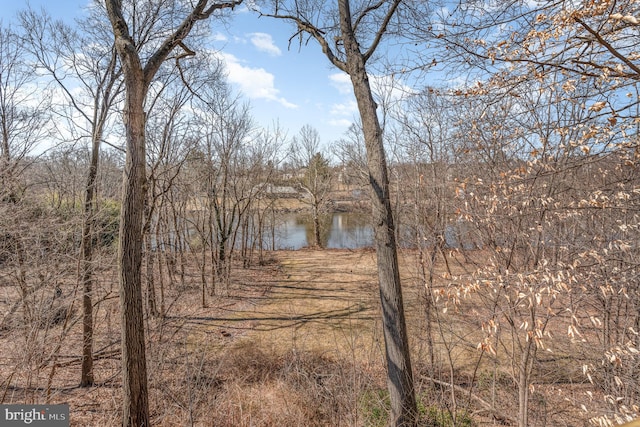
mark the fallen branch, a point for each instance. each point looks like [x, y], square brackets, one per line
[486, 406]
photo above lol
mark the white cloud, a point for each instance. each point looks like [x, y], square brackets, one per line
[219, 37]
[344, 109]
[340, 122]
[342, 82]
[264, 43]
[342, 114]
[255, 83]
[389, 87]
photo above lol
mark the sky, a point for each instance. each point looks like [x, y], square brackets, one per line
[293, 86]
[296, 86]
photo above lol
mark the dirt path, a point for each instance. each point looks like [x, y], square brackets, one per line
[317, 303]
[320, 301]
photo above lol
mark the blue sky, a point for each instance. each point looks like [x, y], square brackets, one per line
[295, 87]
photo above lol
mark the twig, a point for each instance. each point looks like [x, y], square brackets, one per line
[499, 416]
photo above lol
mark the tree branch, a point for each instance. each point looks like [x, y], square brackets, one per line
[365, 12]
[382, 30]
[486, 406]
[305, 26]
[121, 32]
[197, 14]
[609, 47]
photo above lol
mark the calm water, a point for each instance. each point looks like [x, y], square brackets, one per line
[351, 231]
[337, 231]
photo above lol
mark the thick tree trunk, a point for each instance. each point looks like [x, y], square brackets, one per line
[400, 376]
[137, 81]
[136, 406]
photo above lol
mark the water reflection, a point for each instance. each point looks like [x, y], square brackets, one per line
[352, 231]
[337, 231]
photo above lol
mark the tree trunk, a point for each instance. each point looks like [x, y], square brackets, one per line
[137, 81]
[526, 361]
[86, 374]
[134, 369]
[5, 165]
[151, 257]
[400, 376]
[316, 222]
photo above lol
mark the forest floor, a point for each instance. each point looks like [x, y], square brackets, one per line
[296, 342]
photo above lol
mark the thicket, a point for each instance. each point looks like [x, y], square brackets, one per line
[517, 195]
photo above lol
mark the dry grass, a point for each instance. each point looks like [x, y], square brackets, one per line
[296, 342]
[291, 344]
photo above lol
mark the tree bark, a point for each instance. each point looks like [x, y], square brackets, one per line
[524, 378]
[316, 222]
[400, 376]
[137, 80]
[100, 115]
[134, 370]
[86, 275]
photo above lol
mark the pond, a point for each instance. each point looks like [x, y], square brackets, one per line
[351, 231]
[337, 231]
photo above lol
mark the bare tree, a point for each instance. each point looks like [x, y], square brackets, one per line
[89, 56]
[23, 122]
[138, 73]
[266, 155]
[170, 140]
[316, 180]
[423, 150]
[351, 152]
[581, 60]
[357, 38]
[225, 131]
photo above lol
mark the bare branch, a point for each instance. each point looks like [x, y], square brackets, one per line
[122, 35]
[382, 30]
[365, 12]
[609, 47]
[305, 26]
[199, 13]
